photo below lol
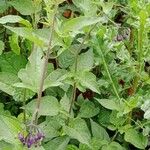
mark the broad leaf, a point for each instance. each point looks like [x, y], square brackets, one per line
[88, 110]
[25, 8]
[76, 24]
[55, 78]
[27, 33]
[71, 147]
[85, 61]
[14, 19]
[49, 106]
[31, 75]
[137, 139]
[109, 104]
[113, 146]
[99, 132]
[65, 103]
[6, 82]
[87, 6]
[66, 59]
[96, 144]
[88, 80]
[6, 146]
[78, 129]
[59, 143]
[21, 94]
[50, 127]
[9, 129]
[10, 62]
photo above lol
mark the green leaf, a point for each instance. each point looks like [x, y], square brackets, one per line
[87, 6]
[3, 6]
[66, 59]
[88, 110]
[109, 104]
[14, 19]
[96, 144]
[113, 146]
[65, 103]
[27, 33]
[2, 111]
[50, 127]
[72, 147]
[85, 61]
[146, 108]
[31, 75]
[104, 116]
[21, 94]
[137, 139]
[49, 106]
[13, 40]
[78, 129]
[6, 82]
[59, 143]
[88, 80]
[107, 7]
[9, 129]
[99, 132]
[76, 24]
[25, 8]
[10, 62]
[6, 146]
[115, 120]
[1, 47]
[55, 78]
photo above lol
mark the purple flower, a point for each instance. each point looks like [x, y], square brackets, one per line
[31, 138]
[21, 138]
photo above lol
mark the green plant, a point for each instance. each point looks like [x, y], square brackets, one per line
[80, 71]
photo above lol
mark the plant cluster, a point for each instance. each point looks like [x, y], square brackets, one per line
[74, 74]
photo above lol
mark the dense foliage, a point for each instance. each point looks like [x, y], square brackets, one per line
[74, 74]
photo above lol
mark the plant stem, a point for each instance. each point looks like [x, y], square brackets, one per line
[44, 71]
[109, 75]
[76, 68]
[24, 105]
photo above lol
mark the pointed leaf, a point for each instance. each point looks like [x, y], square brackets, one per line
[88, 80]
[10, 62]
[99, 132]
[49, 106]
[88, 110]
[25, 8]
[14, 19]
[137, 139]
[59, 143]
[6, 82]
[31, 75]
[78, 129]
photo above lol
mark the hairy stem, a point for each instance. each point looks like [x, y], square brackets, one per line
[44, 71]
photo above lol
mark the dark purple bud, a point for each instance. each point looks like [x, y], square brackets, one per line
[39, 136]
[30, 140]
[21, 138]
[119, 38]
